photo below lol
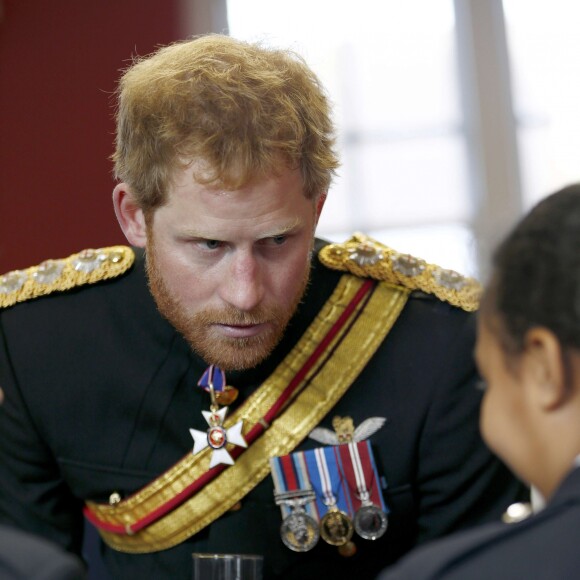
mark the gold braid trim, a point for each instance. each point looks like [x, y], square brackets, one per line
[364, 256]
[86, 267]
[328, 380]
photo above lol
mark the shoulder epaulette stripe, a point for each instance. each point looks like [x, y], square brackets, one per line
[365, 257]
[86, 267]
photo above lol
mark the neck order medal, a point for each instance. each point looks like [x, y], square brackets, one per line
[217, 436]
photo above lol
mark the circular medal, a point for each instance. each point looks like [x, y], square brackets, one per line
[299, 532]
[336, 528]
[216, 437]
[370, 522]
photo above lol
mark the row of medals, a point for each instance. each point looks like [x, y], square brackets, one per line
[300, 532]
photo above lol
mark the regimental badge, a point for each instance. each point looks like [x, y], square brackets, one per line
[344, 431]
[217, 436]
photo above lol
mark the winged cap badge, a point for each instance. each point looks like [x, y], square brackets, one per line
[345, 432]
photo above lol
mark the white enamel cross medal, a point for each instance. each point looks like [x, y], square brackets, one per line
[217, 436]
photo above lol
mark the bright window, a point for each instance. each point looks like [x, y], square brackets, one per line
[433, 162]
[544, 42]
[392, 79]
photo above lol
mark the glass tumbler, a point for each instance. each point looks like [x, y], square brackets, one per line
[227, 566]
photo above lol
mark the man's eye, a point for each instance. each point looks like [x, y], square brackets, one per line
[279, 240]
[212, 244]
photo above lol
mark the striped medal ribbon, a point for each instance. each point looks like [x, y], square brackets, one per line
[359, 468]
[292, 491]
[336, 527]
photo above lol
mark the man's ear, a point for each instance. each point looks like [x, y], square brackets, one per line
[130, 216]
[545, 365]
[320, 204]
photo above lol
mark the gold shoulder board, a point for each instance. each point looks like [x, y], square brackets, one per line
[86, 267]
[365, 257]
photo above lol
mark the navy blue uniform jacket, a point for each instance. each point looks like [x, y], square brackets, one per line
[543, 547]
[26, 557]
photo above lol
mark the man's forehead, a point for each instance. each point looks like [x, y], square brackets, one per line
[233, 177]
[269, 193]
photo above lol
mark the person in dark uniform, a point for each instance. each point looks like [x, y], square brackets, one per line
[528, 351]
[150, 386]
[25, 556]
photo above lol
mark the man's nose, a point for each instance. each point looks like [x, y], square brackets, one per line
[243, 287]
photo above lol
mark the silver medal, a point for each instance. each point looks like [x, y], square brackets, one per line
[370, 521]
[298, 531]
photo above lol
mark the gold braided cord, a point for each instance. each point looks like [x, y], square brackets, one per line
[363, 256]
[86, 267]
[328, 383]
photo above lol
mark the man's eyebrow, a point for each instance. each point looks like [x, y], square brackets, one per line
[282, 230]
[275, 231]
[196, 234]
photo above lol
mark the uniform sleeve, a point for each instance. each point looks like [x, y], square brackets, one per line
[460, 482]
[33, 496]
[24, 556]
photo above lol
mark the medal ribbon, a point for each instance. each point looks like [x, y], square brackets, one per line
[326, 480]
[215, 376]
[289, 473]
[358, 465]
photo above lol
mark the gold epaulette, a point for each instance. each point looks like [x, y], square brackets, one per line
[86, 267]
[363, 256]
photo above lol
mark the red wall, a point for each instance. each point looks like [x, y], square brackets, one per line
[59, 61]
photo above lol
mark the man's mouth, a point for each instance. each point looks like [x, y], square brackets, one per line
[241, 330]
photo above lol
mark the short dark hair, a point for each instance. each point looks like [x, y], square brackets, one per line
[536, 273]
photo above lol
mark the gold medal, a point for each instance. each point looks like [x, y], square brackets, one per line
[336, 527]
